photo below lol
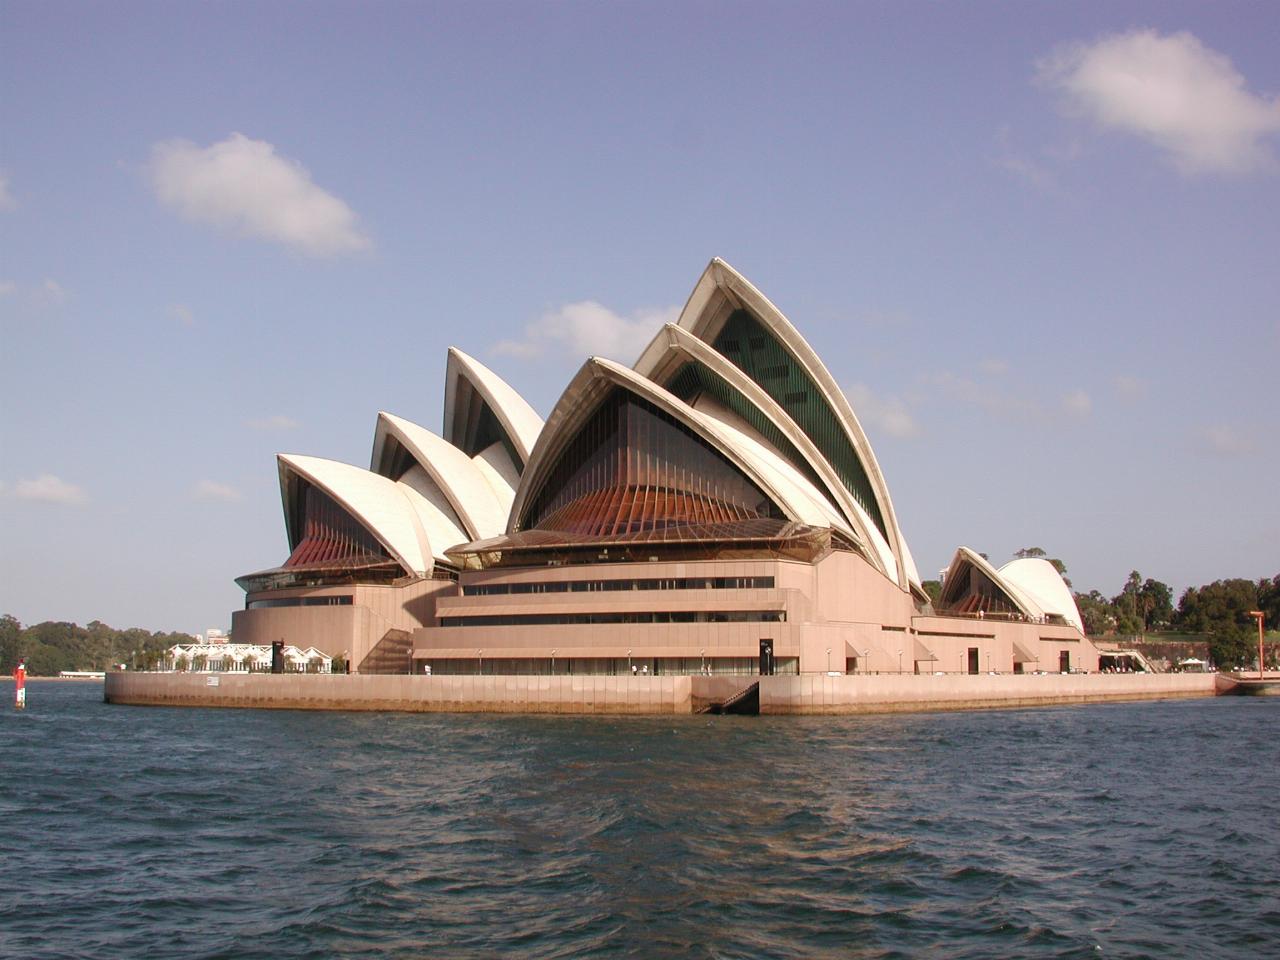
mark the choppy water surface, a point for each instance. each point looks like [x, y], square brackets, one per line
[1121, 830]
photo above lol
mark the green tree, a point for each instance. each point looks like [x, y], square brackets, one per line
[1155, 602]
[1097, 612]
[1216, 606]
[933, 588]
[1128, 609]
[1230, 647]
[10, 643]
[1269, 601]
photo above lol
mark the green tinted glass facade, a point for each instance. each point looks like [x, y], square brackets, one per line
[747, 344]
[694, 379]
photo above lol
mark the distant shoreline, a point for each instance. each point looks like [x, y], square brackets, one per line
[31, 679]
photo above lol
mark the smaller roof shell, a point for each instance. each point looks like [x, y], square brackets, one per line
[388, 510]
[1039, 581]
[461, 481]
[519, 420]
[1033, 584]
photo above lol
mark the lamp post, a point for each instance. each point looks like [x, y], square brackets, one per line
[828, 659]
[1259, 616]
[988, 661]
[480, 659]
[866, 654]
[628, 659]
[703, 654]
[553, 662]
[899, 661]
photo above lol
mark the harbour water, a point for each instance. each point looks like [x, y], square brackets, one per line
[1119, 830]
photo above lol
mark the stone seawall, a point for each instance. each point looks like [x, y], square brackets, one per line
[416, 694]
[890, 694]
[807, 694]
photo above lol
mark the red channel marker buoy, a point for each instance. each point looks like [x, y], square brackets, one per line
[20, 685]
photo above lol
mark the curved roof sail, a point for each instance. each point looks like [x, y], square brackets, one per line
[480, 409]
[394, 514]
[694, 372]
[1040, 581]
[1031, 588]
[399, 444]
[973, 586]
[616, 436]
[726, 311]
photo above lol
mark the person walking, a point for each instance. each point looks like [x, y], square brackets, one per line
[20, 685]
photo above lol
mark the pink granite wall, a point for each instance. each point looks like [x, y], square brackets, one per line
[804, 694]
[891, 693]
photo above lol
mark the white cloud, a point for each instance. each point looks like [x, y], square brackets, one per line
[245, 186]
[888, 415]
[1172, 91]
[7, 287]
[276, 422]
[1131, 388]
[6, 198]
[587, 329]
[1077, 403]
[52, 293]
[1010, 402]
[47, 488]
[212, 490]
[182, 313]
[1222, 440]
[994, 365]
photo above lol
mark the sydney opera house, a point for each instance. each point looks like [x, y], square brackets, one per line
[715, 508]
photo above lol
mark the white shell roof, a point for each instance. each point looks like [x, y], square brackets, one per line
[721, 286]
[494, 464]
[520, 421]
[779, 480]
[1033, 584]
[1039, 581]
[466, 489]
[674, 344]
[392, 512]
[437, 516]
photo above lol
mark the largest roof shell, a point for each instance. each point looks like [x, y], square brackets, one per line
[780, 481]
[721, 291]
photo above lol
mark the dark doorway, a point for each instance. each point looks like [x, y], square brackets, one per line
[766, 658]
[1064, 661]
[973, 659]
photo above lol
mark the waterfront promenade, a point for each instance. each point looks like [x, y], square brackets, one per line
[805, 694]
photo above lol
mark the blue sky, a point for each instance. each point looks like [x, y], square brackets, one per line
[1038, 244]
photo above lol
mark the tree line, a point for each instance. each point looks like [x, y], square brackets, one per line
[52, 646]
